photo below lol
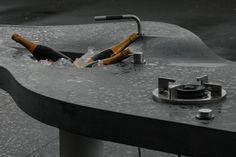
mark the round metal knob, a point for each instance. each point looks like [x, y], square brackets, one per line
[205, 114]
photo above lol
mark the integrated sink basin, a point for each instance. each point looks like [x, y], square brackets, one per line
[114, 102]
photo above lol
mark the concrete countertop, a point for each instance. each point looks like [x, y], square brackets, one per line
[115, 102]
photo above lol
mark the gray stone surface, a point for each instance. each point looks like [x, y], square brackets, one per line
[216, 29]
[21, 134]
[49, 150]
[24, 136]
[5, 98]
[170, 51]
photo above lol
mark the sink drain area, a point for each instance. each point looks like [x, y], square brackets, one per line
[192, 94]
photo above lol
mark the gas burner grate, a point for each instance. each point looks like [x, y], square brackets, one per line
[203, 93]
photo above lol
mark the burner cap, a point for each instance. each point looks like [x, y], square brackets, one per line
[191, 91]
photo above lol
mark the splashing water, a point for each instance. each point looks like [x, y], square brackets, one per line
[82, 61]
[62, 62]
[45, 62]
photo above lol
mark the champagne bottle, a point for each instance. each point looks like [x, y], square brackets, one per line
[40, 52]
[115, 49]
[113, 59]
[117, 57]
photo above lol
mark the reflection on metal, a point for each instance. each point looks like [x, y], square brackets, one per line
[203, 79]
[163, 83]
[204, 93]
[205, 114]
[121, 17]
[138, 58]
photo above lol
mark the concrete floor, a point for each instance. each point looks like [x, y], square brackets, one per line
[213, 21]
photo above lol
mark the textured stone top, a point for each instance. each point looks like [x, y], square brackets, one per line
[123, 89]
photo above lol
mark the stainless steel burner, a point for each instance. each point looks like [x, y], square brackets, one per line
[204, 93]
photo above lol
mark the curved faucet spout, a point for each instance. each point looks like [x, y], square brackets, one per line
[121, 17]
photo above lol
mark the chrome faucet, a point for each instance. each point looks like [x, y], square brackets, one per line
[121, 17]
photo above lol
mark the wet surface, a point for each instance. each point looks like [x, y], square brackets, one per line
[129, 86]
[44, 149]
[214, 22]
